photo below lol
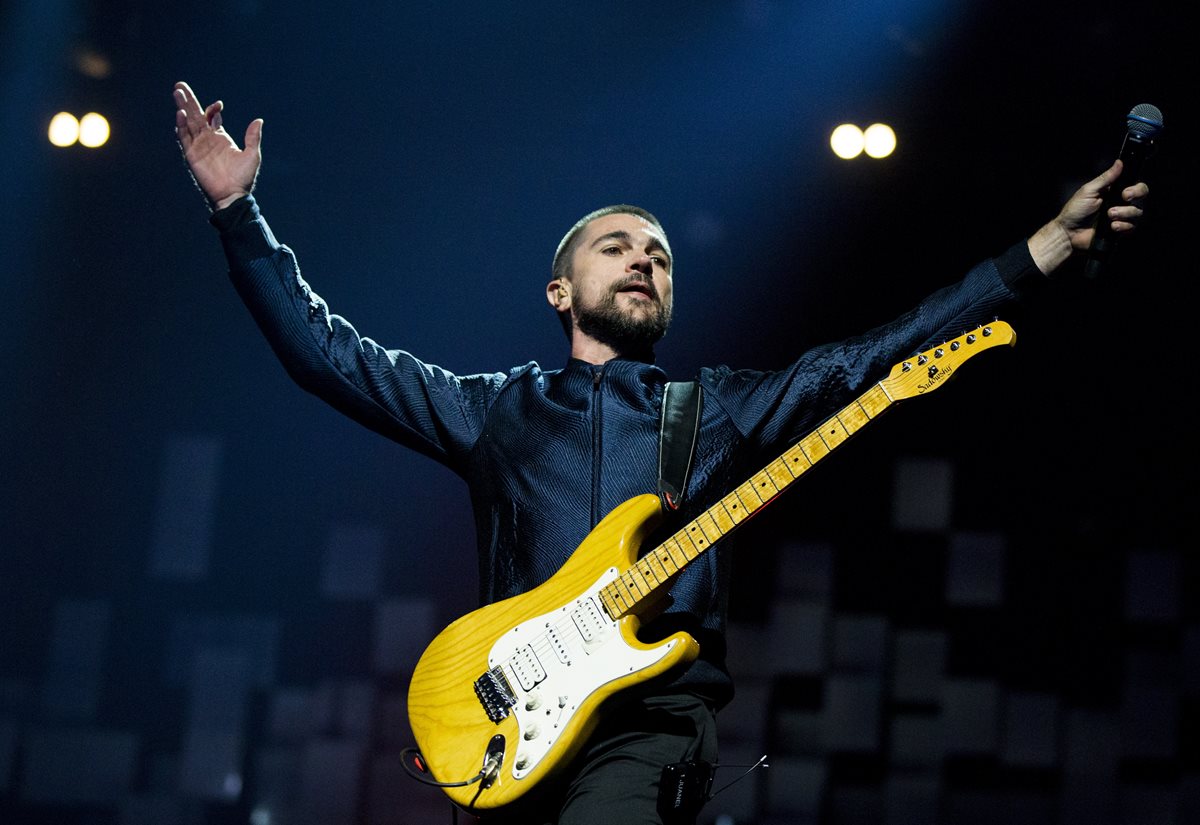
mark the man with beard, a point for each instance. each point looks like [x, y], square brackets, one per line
[546, 454]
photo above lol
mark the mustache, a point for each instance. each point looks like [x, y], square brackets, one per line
[636, 280]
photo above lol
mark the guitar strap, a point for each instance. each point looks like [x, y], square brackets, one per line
[680, 424]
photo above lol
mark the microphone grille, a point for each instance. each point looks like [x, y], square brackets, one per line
[1144, 121]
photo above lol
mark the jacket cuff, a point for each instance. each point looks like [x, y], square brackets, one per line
[1017, 269]
[244, 232]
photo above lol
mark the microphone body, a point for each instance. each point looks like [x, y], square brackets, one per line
[1143, 125]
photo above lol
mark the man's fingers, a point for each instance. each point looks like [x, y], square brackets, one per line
[181, 129]
[1135, 192]
[1105, 178]
[186, 100]
[254, 135]
[212, 114]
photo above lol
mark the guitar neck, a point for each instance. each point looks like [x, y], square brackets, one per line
[639, 585]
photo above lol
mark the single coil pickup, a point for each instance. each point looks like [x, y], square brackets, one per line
[560, 647]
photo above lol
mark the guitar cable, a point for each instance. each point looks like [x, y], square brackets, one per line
[491, 767]
[762, 762]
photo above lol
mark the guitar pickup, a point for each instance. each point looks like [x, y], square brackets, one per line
[587, 620]
[560, 648]
[526, 667]
[495, 694]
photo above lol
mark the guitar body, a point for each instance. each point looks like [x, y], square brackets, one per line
[524, 679]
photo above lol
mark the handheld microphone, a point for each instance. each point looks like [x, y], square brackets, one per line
[1143, 125]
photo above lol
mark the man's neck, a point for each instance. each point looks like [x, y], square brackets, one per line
[592, 351]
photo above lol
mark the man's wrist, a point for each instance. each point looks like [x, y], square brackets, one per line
[228, 201]
[1050, 247]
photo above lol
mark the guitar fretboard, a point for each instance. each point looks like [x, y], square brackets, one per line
[627, 592]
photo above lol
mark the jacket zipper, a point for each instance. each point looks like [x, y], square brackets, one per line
[597, 442]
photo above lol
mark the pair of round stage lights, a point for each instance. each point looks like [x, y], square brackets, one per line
[848, 141]
[91, 130]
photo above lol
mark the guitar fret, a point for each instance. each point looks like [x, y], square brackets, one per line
[854, 418]
[750, 502]
[752, 486]
[625, 595]
[695, 534]
[711, 529]
[721, 516]
[649, 577]
[797, 462]
[833, 433]
[761, 481]
[691, 548]
[736, 509]
[814, 447]
[639, 589]
[680, 550]
[652, 576]
[617, 604]
[777, 471]
[664, 556]
[607, 602]
[649, 574]
[874, 401]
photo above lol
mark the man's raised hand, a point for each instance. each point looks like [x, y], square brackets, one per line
[223, 171]
[1072, 230]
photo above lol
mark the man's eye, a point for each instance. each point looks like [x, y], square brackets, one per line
[611, 250]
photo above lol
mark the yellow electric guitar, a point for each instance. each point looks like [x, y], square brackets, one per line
[505, 695]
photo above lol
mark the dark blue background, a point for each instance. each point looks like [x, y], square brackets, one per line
[424, 159]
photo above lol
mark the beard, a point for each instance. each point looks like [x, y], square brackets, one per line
[626, 331]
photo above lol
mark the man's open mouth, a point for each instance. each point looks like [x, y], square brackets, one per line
[639, 288]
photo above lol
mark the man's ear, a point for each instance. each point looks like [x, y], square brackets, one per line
[558, 295]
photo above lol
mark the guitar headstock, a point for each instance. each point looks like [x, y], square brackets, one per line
[927, 371]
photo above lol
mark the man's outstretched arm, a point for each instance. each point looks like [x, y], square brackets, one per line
[417, 404]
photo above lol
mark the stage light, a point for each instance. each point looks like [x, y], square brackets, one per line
[93, 130]
[847, 141]
[880, 140]
[64, 129]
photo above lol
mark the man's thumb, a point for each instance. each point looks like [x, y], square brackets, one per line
[254, 135]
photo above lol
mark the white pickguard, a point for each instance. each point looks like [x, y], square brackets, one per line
[555, 661]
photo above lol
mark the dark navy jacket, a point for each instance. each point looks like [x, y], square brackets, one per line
[547, 453]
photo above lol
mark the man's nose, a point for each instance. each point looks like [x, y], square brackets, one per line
[642, 264]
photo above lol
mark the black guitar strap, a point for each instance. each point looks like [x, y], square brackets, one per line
[681, 406]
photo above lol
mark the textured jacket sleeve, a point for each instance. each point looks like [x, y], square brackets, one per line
[773, 409]
[419, 405]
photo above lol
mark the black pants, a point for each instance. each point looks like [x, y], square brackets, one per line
[615, 778]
